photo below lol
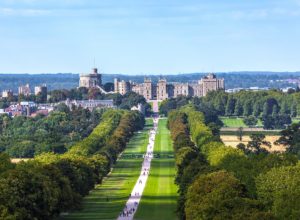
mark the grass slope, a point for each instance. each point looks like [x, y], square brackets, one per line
[108, 199]
[160, 194]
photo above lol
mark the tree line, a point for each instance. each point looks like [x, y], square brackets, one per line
[50, 184]
[219, 182]
[273, 107]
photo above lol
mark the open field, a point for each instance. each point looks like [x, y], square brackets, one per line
[236, 122]
[233, 141]
[108, 199]
[160, 194]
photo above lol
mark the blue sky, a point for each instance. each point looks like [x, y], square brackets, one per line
[149, 36]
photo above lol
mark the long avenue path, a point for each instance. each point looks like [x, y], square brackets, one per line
[160, 194]
[134, 198]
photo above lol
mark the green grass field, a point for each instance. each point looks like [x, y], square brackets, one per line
[236, 122]
[108, 199]
[160, 194]
[295, 120]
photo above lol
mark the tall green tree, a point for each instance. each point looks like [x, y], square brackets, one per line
[230, 106]
[238, 111]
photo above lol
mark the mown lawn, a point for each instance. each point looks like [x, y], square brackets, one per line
[108, 199]
[236, 122]
[295, 120]
[160, 194]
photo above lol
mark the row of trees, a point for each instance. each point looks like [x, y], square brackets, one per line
[227, 183]
[44, 187]
[273, 107]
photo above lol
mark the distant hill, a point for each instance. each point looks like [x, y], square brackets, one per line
[232, 79]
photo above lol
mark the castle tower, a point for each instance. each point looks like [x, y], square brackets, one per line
[162, 92]
[211, 83]
[91, 80]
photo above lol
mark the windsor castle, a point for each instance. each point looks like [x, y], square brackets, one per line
[163, 90]
[155, 91]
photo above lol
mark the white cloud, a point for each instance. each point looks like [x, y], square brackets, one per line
[23, 12]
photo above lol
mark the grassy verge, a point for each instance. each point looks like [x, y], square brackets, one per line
[108, 199]
[160, 194]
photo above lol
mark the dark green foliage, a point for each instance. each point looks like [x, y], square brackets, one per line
[255, 145]
[25, 137]
[276, 121]
[250, 121]
[290, 138]
[5, 163]
[173, 103]
[219, 195]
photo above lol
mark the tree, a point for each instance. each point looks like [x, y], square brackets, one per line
[280, 192]
[250, 121]
[94, 93]
[269, 106]
[20, 201]
[256, 109]
[230, 106]
[238, 111]
[108, 87]
[276, 121]
[256, 144]
[5, 163]
[62, 107]
[284, 109]
[219, 195]
[290, 138]
[247, 108]
[240, 133]
[275, 111]
[294, 109]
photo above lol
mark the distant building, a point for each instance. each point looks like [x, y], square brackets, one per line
[211, 83]
[40, 90]
[90, 104]
[162, 90]
[146, 89]
[121, 87]
[7, 93]
[181, 89]
[91, 80]
[24, 90]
